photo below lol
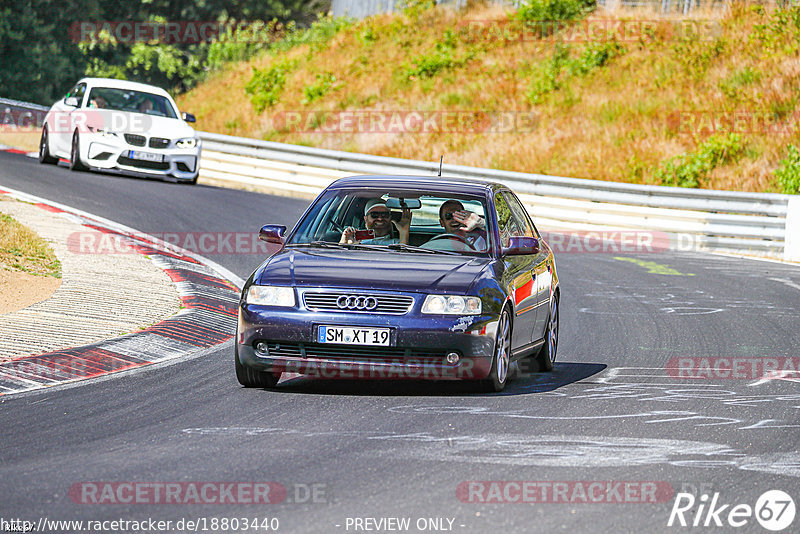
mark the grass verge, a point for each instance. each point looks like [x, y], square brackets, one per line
[23, 250]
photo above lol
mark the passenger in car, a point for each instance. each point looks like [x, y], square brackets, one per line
[471, 226]
[378, 218]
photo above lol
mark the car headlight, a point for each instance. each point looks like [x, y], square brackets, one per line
[189, 142]
[271, 296]
[452, 305]
[103, 131]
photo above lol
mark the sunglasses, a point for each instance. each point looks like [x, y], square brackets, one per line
[448, 216]
[380, 214]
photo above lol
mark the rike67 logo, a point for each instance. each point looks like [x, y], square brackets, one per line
[774, 510]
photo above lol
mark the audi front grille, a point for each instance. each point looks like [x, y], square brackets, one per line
[358, 303]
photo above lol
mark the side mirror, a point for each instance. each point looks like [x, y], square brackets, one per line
[71, 101]
[272, 233]
[521, 246]
[188, 117]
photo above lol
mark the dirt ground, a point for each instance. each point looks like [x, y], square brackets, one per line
[19, 290]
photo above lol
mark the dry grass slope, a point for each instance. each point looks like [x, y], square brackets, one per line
[614, 108]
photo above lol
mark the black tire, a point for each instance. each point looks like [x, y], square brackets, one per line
[501, 359]
[250, 378]
[547, 355]
[75, 163]
[44, 150]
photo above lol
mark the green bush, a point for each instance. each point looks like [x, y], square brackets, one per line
[746, 76]
[595, 56]
[690, 169]
[547, 76]
[265, 86]
[442, 58]
[317, 36]
[788, 173]
[325, 82]
[540, 15]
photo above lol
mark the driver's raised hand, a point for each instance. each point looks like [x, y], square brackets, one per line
[469, 220]
[403, 225]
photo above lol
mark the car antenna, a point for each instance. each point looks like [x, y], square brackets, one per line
[441, 159]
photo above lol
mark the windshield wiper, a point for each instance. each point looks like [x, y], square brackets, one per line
[329, 244]
[319, 244]
[412, 248]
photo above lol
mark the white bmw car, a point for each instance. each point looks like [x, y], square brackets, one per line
[121, 126]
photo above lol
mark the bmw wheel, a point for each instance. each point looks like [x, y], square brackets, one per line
[501, 361]
[547, 355]
[75, 163]
[44, 149]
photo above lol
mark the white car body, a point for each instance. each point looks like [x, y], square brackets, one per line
[112, 134]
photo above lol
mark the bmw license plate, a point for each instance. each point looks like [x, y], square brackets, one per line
[346, 335]
[146, 156]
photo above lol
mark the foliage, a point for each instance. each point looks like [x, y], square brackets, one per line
[441, 58]
[690, 169]
[788, 173]
[730, 86]
[325, 82]
[265, 86]
[540, 15]
[547, 76]
[42, 54]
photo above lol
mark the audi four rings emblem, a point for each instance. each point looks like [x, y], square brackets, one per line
[357, 302]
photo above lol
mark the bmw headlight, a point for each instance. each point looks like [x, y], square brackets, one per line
[189, 142]
[105, 132]
[451, 305]
[271, 296]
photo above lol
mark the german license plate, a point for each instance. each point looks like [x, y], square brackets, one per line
[145, 156]
[346, 335]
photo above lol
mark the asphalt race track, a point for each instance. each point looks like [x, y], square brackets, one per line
[351, 450]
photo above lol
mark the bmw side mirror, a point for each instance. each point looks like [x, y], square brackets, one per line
[71, 101]
[188, 117]
[272, 233]
[521, 246]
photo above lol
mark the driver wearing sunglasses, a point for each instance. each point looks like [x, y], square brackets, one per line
[378, 218]
[456, 220]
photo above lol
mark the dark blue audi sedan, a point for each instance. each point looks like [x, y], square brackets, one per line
[401, 277]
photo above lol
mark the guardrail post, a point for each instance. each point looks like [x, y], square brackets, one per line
[791, 250]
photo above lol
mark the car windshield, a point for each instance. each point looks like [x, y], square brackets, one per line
[131, 101]
[371, 220]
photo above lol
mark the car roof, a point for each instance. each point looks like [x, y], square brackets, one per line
[123, 84]
[438, 184]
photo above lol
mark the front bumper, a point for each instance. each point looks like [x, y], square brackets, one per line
[418, 348]
[109, 153]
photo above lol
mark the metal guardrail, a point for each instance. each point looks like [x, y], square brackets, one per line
[737, 221]
[763, 223]
[14, 113]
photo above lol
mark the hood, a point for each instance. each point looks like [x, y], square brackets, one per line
[399, 271]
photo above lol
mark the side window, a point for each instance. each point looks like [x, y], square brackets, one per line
[507, 224]
[78, 91]
[521, 214]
